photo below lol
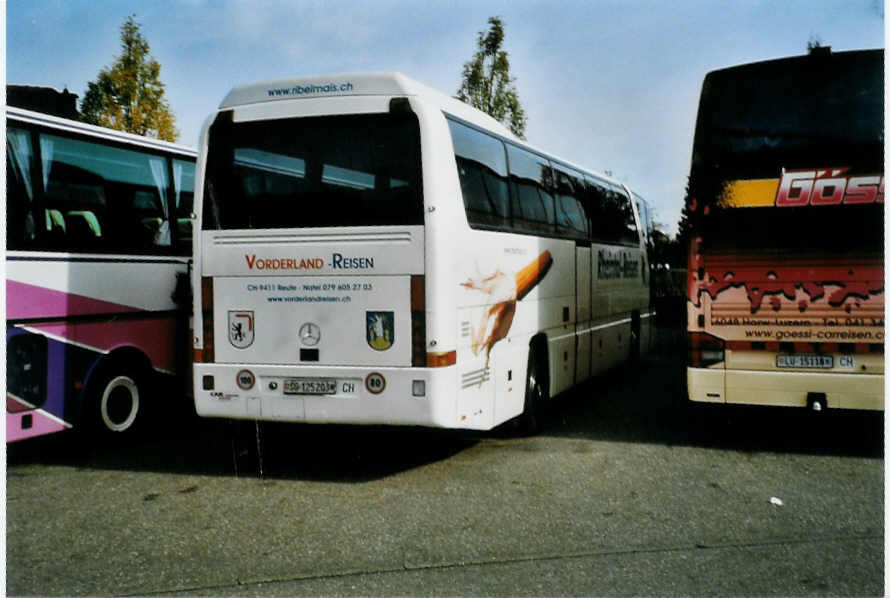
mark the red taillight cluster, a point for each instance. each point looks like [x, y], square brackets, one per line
[206, 355]
[419, 356]
[418, 322]
[705, 350]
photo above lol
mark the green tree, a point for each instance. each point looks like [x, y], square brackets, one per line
[129, 95]
[685, 227]
[487, 84]
[814, 43]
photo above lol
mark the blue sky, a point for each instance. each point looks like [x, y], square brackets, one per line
[608, 84]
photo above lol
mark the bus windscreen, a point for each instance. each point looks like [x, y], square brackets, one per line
[327, 171]
[771, 126]
[756, 116]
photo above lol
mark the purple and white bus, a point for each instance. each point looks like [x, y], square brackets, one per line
[98, 244]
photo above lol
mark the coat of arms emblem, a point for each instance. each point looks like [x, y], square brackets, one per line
[241, 326]
[380, 329]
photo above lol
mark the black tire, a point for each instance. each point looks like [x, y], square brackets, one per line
[635, 340]
[245, 438]
[118, 401]
[536, 391]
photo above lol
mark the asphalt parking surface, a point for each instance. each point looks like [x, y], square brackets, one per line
[629, 490]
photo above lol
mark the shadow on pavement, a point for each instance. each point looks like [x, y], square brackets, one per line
[195, 446]
[649, 405]
[643, 405]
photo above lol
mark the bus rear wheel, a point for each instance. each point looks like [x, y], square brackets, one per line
[535, 394]
[118, 403]
[635, 340]
[119, 406]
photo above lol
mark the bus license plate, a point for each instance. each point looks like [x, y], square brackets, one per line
[805, 361]
[310, 386]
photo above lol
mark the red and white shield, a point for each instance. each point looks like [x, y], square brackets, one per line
[241, 326]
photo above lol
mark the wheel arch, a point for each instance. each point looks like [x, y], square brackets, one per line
[538, 346]
[636, 337]
[120, 357]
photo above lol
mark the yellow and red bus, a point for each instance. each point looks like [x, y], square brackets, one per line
[786, 210]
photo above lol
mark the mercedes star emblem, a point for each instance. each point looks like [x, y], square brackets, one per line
[310, 334]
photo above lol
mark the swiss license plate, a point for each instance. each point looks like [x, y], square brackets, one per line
[310, 386]
[805, 361]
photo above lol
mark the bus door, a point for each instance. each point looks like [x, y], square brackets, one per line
[572, 222]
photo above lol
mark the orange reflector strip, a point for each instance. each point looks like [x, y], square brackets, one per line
[439, 360]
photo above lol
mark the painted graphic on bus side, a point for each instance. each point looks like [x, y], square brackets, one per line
[806, 296]
[503, 290]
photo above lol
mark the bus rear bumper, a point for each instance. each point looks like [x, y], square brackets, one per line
[785, 389]
[706, 385]
[389, 396]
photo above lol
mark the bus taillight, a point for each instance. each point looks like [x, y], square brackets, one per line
[418, 322]
[705, 350]
[206, 355]
[419, 356]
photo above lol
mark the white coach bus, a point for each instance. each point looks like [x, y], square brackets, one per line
[369, 250]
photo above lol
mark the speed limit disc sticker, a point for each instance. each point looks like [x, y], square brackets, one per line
[375, 383]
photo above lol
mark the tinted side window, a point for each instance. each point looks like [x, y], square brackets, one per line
[612, 217]
[571, 217]
[645, 219]
[21, 216]
[628, 234]
[184, 199]
[482, 168]
[598, 200]
[531, 178]
[104, 198]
